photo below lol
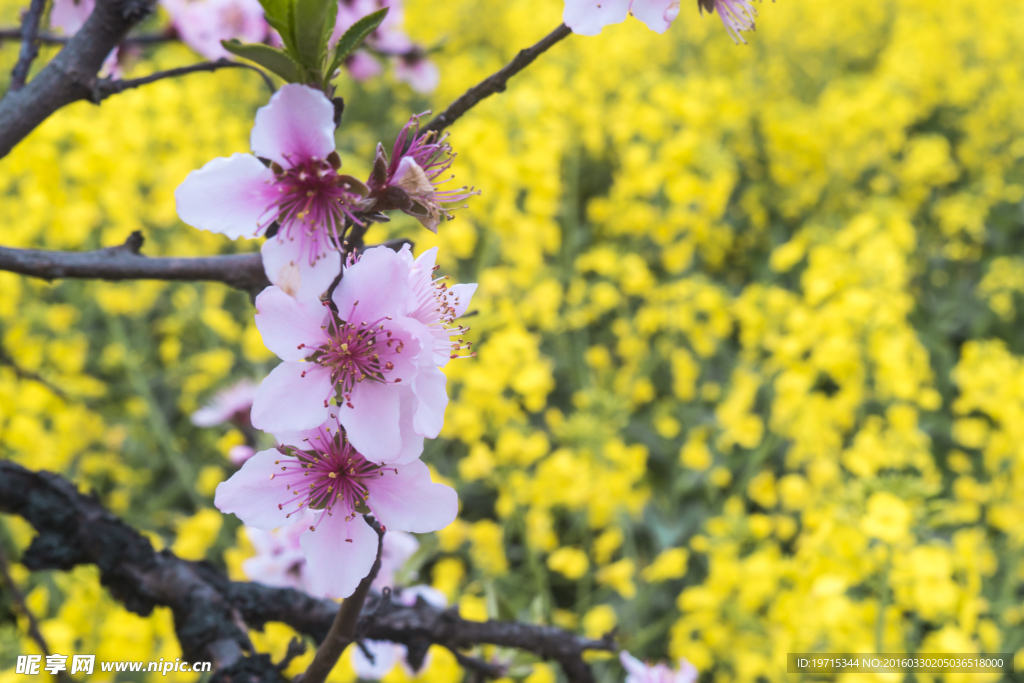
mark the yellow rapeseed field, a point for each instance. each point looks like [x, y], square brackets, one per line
[751, 367]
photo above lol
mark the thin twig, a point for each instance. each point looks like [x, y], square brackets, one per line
[29, 46]
[496, 82]
[105, 87]
[479, 666]
[343, 630]
[53, 39]
[206, 605]
[18, 598]
[24, 374]
[296, 648]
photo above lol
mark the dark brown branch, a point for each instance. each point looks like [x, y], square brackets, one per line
[53, 39]
[106, 87]
[343, 629]
[210, 611]
[124, 262]
[71, 75]
[496, 82]
[29, 46]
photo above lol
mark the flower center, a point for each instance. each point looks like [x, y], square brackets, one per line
[353, 353]
[314, 203]
[329, 477]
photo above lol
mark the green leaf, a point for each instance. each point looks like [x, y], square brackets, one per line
[269, 58]
[279, 16]
[314, 22]
[355, 36]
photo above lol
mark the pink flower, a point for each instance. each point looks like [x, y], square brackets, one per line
[362, 66]
[419, 72]
[301, 189]
[398, 548]
[638, 672]
[365, 352]
[240, 453]
[389, 37]
[431, 596]
[411, 181]
[69, 15]
[437, 305]
[202, 24]
[232, 404]
[389, 40]
[384, 652]
[279, 560]
[319, 470]
[588, 17]
[736, 15]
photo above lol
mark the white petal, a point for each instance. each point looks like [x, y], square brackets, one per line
[253, 495]
[289, 401]
[588, 17]
[288, 267]
[228, 195]
[285, 324]
[407, 500]
[338, 554]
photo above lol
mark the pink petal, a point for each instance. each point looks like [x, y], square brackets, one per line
[288, 401]
[285, 324]
[362, 66]
[68, 15]
[407, 500]
[459, 296]
[298, 438]
[383, 652]
[412, 443]
[633, 666]
[378, 282]
[588, 17]
[338, 554]
[372, 423]
[657, 14]
[432, 399]
[288, 266]
[252, 495]
[297, 124]
[228, 195]
[422, 75]
[423, 265]
[430, 595]
[240, 453]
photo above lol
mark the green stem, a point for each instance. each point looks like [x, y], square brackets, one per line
[157, 420]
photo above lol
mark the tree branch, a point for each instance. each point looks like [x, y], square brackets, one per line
[343, 629]
[106, 87]
[70, 75]
[496, 82]
[124, 262]
[29, 46]
[211, 612]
